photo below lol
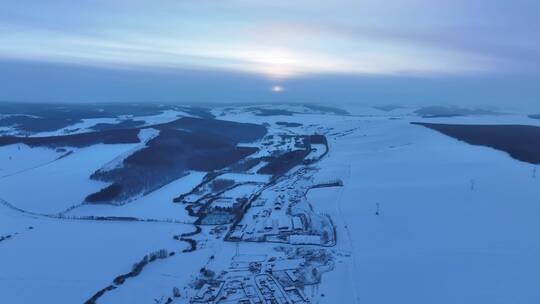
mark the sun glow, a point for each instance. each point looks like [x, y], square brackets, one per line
[275, 63]
[277, 89]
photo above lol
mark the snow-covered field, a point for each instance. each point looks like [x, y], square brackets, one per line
[55, 186]
[156, 205]
[67, 261]
[456, 222]
[17, 158]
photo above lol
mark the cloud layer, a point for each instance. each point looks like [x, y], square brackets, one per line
[370, 51]
[279, 39]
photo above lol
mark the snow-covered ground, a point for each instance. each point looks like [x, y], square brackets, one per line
[18, 158]
[456, 222]
[85, 125]
[67, 261]
[420, 218]
[55, 186]
[156, 205]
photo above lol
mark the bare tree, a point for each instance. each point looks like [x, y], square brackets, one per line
[176, 292]
[158, 301]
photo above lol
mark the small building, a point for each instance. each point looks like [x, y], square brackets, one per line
[268, 225]
[284, 224]
[291, 275]
[207, 293]
[297, 223]
[305, 239]
[225, 203]
[237, 235]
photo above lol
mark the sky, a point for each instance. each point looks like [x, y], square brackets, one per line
[482, 52]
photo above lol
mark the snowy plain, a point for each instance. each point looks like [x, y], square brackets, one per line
[456, 222]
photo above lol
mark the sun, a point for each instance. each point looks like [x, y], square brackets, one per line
[277, 89]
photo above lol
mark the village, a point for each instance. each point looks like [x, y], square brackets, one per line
[282, 214]
[276, 215]
[280, 277]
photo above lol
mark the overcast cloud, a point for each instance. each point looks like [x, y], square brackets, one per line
[198, 50]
